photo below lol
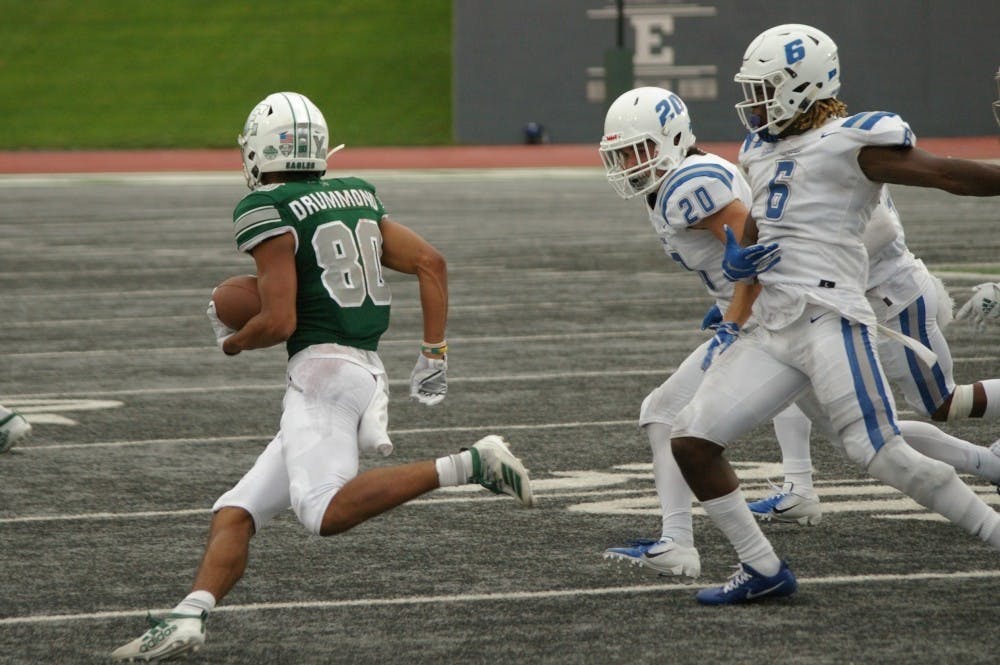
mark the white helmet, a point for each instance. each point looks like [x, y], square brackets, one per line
[786, 69]
[635, 120]
[285, 132]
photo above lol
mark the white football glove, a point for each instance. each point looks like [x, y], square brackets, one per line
[428, 381]
[983, 306]
[221, 330]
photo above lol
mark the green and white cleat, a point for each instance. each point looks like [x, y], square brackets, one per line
[495, 468]
[173, 635]
[13, 428]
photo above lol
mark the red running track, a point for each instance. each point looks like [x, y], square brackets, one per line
[439, 157]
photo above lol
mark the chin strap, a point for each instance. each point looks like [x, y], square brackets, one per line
[337, 149]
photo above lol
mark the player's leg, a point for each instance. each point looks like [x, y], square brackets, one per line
[796, 500]
[323, 409]
[749, 384]
[13, 428]
[260, 495]
[673, 553]
[849, 382]
[932, 389]
[964, 456]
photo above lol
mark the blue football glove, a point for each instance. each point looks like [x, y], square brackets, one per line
[741, 263]
[713, 317]
[727, 333]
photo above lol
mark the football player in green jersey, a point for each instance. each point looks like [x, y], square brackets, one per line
[320, 247]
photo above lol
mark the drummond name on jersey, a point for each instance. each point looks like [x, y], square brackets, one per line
[308, 204]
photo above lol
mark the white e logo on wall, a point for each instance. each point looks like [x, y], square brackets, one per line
[654, 64]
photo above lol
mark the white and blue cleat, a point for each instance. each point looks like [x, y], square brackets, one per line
[663, 557]
[787, 505]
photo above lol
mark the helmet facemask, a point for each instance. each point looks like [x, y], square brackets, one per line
[647, 134]
[635, 166]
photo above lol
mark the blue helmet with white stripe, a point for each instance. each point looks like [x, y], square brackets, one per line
[785, 70]
[647, 134]
[284, 132]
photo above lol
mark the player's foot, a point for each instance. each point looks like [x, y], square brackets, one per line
[787, 505]
[13, 428]
[747, 585]
[496, 469]
[661, 557]
[171, 636]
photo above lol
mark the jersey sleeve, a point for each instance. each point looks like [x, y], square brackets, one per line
[881, 128]
[696, 192]
[257, 218]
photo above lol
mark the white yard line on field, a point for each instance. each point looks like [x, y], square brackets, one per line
[510, 596]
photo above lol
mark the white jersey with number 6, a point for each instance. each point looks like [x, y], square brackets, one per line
[812, 198]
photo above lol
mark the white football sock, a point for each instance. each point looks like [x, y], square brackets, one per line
[671, 488]
[734, 519]
[454, 469]
[792, 429]
[195, 603]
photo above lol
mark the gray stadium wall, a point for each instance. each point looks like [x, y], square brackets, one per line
[521, 61]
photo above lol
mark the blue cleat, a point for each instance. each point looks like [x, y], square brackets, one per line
[747, 585]
[663, 557]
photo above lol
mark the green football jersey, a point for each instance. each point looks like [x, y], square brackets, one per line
[342, 293]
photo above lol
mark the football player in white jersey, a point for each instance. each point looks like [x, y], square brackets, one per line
[319, 246]
[908, 300]
[648, 150]
[13, 428]
[816, 175]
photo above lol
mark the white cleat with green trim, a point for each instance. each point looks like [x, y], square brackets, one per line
[495, 468]
[168, 637]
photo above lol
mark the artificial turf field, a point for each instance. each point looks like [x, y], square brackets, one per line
[564, 314]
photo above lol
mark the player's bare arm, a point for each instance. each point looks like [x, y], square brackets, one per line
[741, 306]
[919, 168]
[734, 215]
[405, 251]
[277, 285]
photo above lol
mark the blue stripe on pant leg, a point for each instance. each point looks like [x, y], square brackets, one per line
[925, 339]
[860, 390]
[911, 361]
[929, 381]
[879, 378]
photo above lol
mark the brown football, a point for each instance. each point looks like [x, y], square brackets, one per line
[236, 300]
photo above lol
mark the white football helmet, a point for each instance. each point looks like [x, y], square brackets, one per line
[647, 134]
[284, 132]
[785, 70]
